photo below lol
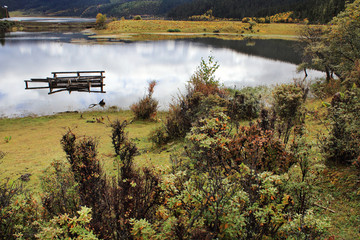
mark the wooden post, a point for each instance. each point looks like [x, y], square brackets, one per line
[101, 82]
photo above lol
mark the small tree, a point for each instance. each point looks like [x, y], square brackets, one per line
[288, 106]
[336, 49]
[100, 21]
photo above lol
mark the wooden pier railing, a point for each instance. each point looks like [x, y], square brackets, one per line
[80, 81]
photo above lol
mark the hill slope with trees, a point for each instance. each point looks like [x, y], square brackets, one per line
[89, 8]
[321, 11]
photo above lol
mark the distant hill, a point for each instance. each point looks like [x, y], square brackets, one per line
[315, 10]
[52, 7]
[320, 11]
[89, 8]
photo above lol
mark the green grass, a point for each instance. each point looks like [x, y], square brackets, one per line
[35, 141]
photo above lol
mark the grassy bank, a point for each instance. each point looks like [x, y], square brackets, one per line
[165, 29]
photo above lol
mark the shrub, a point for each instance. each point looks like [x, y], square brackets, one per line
[60, 190]
[342, 143]
[6, 26]
[132, 195]
[8, 194]
[20, 220]
[209, 138]
[82, 156]
[147, 107]
[137, 17]
[243, 105]
[267, 119]
[211, 192]
[245, 20]
[174, 30]
[288, 106]
[159, 136]
[304, 185]
[323, 89]
[213, 145]
[203, 92]
[260, 150]
[353, 78]
[218, 204]
[65, 227]
[100, 21]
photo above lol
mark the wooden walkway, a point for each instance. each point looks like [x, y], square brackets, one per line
[80, 81]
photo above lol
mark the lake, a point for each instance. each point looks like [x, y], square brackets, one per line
[129, 67]
[50, 19]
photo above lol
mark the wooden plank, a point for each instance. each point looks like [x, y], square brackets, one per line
[77, 72]
[82, 78]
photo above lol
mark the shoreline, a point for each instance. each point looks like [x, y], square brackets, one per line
[152, 30]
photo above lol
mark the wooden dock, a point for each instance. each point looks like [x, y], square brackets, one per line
[80, 81]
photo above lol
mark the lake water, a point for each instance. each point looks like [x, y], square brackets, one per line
[50, 19]
[129, 67]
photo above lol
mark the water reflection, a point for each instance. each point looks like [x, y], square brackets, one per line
[128, 66]
[276, 49]
[50, 19]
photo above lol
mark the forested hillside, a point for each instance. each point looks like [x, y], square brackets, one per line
[320, 11]
[316, 11]
[89, 8]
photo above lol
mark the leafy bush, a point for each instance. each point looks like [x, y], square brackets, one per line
[324, 89]
[5, 26]
[137, 17]
[260, 150]
[353, 78]
[82, 156]
[21, 219]
[342, 143]
[221, 187]
[209, 138]
[147, 107]
[174, 30]
[65, 227]
[100, 21]
[203, 92]
[288, 106]
[243, 105]
[8, 193]
[131, 194]
[60, 190]
[159, 136]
